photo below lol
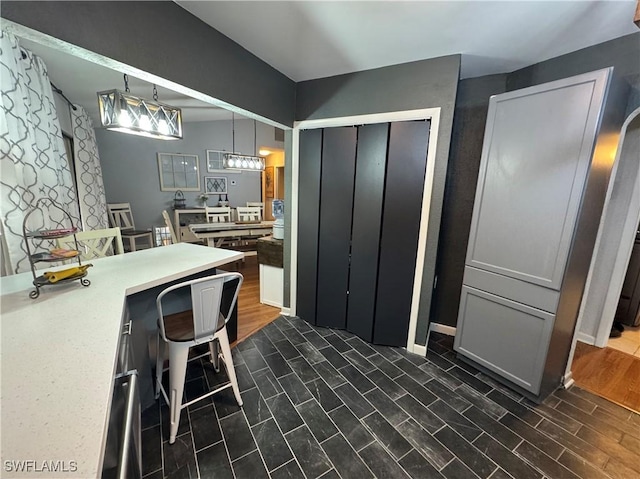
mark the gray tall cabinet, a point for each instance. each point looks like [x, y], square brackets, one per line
[546, 160]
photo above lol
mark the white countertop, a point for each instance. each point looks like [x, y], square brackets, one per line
[58, 354]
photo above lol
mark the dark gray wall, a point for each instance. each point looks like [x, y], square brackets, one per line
[166, 40]
[466, 148]
[622, 53]
[130, 166]
[472, 103]
[423, 84]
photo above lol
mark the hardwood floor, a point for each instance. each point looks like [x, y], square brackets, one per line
[609, 373]
[252, 315]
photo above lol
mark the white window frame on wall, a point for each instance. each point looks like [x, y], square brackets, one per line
[163, 187]
[214, 163]
[432, 114]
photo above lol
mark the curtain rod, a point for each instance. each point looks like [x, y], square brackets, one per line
[55, 88]
[59, 92]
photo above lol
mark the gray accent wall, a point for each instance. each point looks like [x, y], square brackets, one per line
[423, 84]
[164, 39]
[466, 147]
[130, 166]
[469, 121]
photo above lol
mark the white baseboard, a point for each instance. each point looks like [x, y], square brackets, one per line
[418, 349]
[586, 338]
[568, 381]
[285, 311]
[442, 328]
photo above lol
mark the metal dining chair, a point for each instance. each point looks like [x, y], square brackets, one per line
[204, 323]
[120, 215]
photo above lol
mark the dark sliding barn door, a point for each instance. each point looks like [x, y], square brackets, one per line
[359, 217]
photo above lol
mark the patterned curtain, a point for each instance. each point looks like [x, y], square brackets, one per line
[33, 161]
[93, 203]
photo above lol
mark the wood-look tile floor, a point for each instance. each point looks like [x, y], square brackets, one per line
[609, 373]
[320, 403]
[252, 315]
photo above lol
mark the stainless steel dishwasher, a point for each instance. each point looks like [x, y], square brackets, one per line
[123, 453]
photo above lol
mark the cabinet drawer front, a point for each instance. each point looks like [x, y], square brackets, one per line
[508, 338]
[535, 160]
[517, 290]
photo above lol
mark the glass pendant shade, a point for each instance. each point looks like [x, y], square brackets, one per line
[127, 113]
[242, 162]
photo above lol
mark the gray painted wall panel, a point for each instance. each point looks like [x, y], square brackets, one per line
[466, 146]
[422, 84]
[519, 350]
[130, 166]
[536, 156]
[520, 291]
[164, 39]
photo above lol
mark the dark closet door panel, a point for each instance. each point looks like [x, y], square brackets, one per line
[365, 234]
[336, 203]
[308, 222]
[406, 163]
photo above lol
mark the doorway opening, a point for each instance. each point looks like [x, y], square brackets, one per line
[610, 367]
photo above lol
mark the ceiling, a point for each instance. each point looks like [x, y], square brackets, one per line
[80, 79]
[315, 39]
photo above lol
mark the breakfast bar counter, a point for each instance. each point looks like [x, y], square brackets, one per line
[58, 357]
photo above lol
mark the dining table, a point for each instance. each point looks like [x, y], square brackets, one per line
[216, 233]
[59, 354]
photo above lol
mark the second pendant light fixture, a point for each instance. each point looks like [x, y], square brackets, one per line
[235, 161]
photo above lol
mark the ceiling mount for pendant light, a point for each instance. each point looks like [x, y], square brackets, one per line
[235, 161]
[127, 113]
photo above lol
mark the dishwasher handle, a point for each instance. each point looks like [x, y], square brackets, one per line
[131, 426]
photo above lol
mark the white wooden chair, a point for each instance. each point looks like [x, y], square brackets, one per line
[120, 215]
[218, 214]
[249, 213]
[169, 224]
[204, 323]
[95, 243]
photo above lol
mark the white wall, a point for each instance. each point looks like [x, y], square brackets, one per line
[130, 165]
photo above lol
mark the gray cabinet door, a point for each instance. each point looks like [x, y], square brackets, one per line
[535, 160]
[508, 338]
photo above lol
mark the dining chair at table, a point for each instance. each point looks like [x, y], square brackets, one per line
[120, 215]
[205, 323]
[169, 224]
[218, 214]
[94, 244]
[249, 213]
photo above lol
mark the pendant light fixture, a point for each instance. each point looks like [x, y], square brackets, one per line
[127, 113]
[235, 161]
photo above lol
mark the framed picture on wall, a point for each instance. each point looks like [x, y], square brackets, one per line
[215, 185]
[269, 181]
